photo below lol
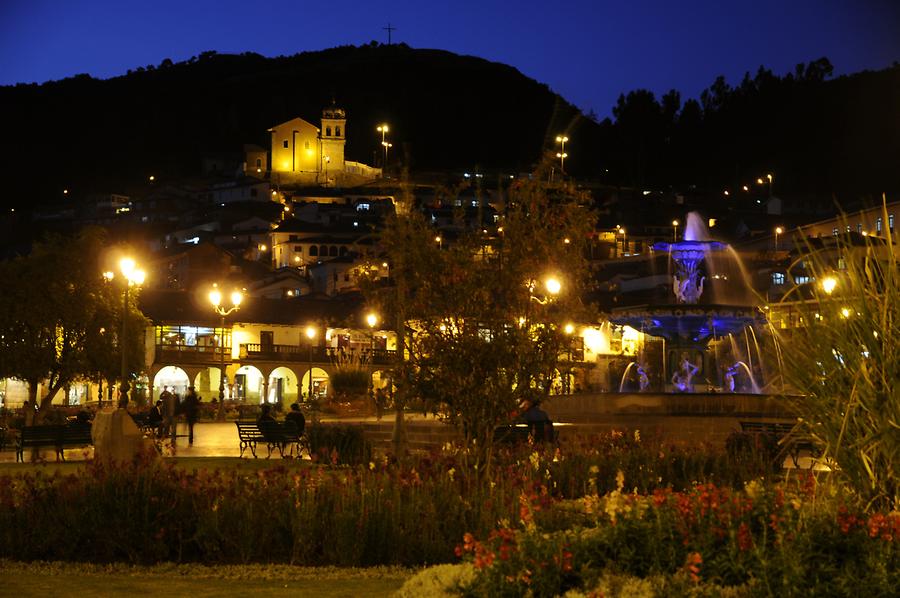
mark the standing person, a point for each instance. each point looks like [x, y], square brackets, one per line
[189, 406]
[170, 405]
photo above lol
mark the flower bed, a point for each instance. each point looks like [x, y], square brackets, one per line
[767, 539]
[409, 512]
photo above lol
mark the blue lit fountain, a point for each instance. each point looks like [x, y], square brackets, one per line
[689, 325]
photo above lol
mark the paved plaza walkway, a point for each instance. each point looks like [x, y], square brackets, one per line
[215, 439]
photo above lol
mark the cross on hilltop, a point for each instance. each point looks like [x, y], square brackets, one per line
[389, 29]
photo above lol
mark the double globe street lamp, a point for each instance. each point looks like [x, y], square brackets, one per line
[215, 297]
[131, 275]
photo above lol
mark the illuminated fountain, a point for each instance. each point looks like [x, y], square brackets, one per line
[690, 327]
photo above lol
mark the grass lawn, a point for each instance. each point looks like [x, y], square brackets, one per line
[197, 581]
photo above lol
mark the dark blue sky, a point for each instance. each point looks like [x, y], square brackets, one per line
[588, 51]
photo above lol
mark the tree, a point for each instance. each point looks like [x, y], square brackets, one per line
[482, 331]
[59, 320]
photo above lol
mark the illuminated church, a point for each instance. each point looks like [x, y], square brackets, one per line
[304, 154]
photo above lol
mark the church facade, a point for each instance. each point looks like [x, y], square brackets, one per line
[304, 154]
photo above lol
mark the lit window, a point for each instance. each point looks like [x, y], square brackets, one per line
[801, 279]
[285, 143]
[878, 224]
[777, 278]
[891, 222]
[859, 228]
[363, 207]
[337, 131]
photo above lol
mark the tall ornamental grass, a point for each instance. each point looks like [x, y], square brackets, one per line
[845, 361]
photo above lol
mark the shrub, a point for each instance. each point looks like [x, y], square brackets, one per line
[345, 445]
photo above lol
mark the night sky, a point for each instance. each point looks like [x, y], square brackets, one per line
[588, 51]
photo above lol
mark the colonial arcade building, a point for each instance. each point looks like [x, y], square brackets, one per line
[270, 350]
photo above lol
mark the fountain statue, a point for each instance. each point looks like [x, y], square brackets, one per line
[643, 378]
[729, 377]
[681, 379]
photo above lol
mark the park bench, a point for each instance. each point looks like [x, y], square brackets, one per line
[784, 435]
[522, 432]
[142, 421]
[59, 437]
[275, 435]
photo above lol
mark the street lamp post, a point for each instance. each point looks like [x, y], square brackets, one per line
[675, 234]
[372, 321]
[215, 297]
[387, 145]
[132, 276]
[624, 245]
[561, 154]
[383, 129]
[310, 334]
[778, 231]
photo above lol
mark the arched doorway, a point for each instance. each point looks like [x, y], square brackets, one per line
[172, 376]
[206, 383]
[319, 384]
[282, 386]
[563, 383]
[380, 380]
[248, 385]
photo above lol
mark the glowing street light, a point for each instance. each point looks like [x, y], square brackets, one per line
[675, 223]
[131, 275]
[621, 231]
[372, 321]
[439, 241]
[553, 285]
[215, 297]
[561, 154]
[828, 284]
[311, 333]
[778, 231]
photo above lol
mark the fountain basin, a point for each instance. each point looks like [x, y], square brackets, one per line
[684, 324]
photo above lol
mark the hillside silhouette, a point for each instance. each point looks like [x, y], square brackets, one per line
[445, 111]
[820, 135]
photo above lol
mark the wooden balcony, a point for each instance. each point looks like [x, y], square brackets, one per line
[191, 354]
[294, 353]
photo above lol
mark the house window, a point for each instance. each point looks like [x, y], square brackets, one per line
[801, 279]
[333, 251]
[778, 278]
[337, 131]
[834, 231]
[298, 248]
[327, 131]
[313, 250]
[859, 228]
[878, 225]
[891, 222]
[293, 238]
[253, 192]
[285, 144]
[259, 163]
